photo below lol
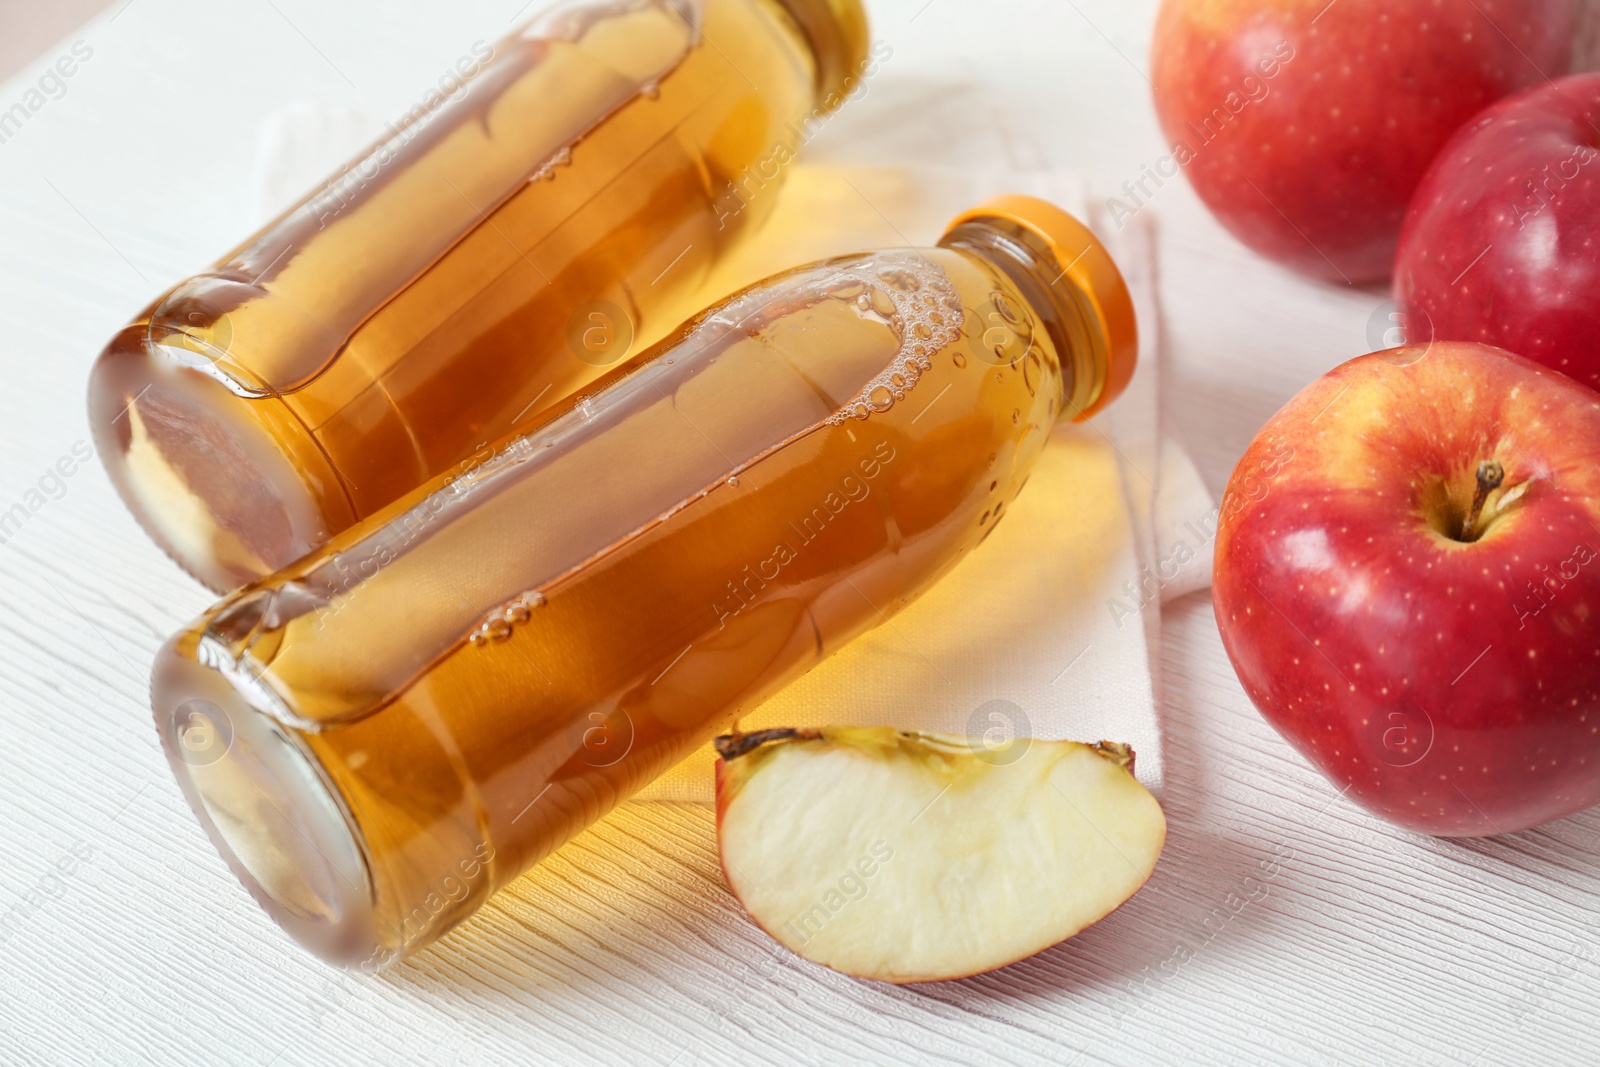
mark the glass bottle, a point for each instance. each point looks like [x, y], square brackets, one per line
[384, 733]
[500, 247]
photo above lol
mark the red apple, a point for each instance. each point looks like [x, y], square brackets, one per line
[1502, 242]
[1443, 667]
[1305, 125]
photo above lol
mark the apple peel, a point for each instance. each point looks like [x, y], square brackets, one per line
[915, 857]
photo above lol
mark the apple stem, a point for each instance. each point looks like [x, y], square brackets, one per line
[1490, 477]
[732, 746]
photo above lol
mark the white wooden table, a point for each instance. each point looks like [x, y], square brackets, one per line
[123, 939]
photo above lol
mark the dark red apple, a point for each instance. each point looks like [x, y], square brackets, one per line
[1502, 242]
[1408, 585]
[1305, 125]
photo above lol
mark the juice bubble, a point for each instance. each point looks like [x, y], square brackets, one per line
[1011, 313]
[911, 291]
[1031, 369]
[899, 278]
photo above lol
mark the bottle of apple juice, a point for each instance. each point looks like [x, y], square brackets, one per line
[382, 734]
[503, 245]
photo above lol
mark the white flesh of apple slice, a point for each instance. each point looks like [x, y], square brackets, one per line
[911, 857]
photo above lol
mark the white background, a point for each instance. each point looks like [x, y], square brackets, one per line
[1367, 945]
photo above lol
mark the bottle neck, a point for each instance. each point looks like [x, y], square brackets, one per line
[1067, 313]
[836, 31]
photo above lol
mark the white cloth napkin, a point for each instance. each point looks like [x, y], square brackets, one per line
[1049, 628]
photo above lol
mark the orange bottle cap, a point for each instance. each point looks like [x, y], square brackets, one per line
[1082, 276]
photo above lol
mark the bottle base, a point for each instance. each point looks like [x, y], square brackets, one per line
[270, 812]
[230, 487]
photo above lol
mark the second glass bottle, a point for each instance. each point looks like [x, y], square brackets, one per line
[498, 249]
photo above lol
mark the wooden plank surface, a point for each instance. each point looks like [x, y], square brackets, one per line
[1283, 925]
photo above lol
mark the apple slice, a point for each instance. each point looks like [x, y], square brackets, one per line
[916, 857]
